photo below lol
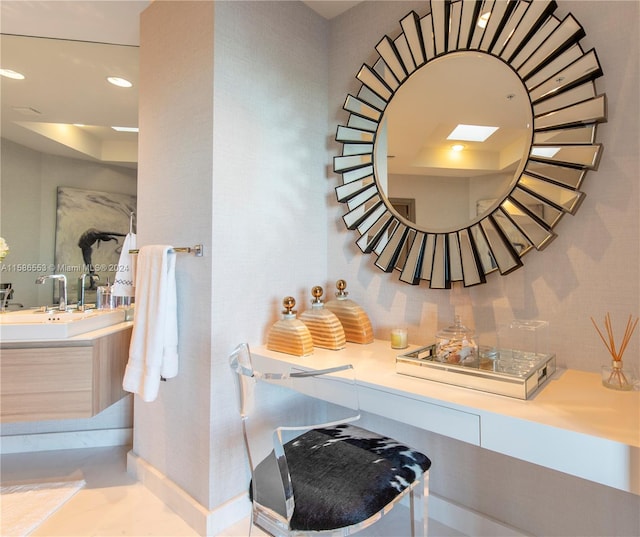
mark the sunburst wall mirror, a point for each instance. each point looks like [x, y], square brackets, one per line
[469, 139]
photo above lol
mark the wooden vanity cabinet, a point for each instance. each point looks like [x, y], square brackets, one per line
[67, 379]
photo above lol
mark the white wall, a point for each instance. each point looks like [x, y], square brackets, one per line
[239, 103]
[174, 207]
[232, 154]
[591, 268]
[270, 189]
[28, 193]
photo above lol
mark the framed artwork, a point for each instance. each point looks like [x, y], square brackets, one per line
[90, 229]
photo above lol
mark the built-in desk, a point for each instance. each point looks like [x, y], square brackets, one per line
[572, 424]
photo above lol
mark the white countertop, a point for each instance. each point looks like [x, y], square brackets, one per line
[81, 340]
[571, 424]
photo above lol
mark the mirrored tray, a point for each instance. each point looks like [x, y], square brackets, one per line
[503, 372]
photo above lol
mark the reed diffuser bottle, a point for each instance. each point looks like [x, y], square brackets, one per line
[290, 335]
[614, 376]
[325, 327]
[356, 323]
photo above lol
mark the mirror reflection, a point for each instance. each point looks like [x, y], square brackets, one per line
[453, 175]
[516, 70]
[57, 133]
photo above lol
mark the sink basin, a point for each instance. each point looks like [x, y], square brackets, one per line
[33, 324]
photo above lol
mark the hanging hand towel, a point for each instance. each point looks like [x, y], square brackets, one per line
[153, 352]
[124, 284]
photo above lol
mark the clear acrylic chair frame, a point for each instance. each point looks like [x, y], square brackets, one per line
[296, 396]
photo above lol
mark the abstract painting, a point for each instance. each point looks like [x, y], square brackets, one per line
[90, 230]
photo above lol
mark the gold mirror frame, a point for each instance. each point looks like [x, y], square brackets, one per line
[559, 77]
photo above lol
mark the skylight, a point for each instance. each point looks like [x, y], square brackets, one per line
[471, 133]
[548, 152]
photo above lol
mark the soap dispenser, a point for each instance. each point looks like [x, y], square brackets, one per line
[356, 323]
[290, 335]
[325, 327]
[103, 297]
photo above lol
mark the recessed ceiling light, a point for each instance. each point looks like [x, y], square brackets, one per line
[125, 129]
[471, 133]
[120, 82]
[457, 147]
[11, 74]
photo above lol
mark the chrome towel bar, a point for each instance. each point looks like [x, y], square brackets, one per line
[197, 250]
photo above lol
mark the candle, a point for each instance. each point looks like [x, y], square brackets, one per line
[399, 338]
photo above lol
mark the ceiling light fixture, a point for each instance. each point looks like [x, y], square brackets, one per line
[120, 82]
[125, 129]
[457, 147]
[471, 133]
[8, 73]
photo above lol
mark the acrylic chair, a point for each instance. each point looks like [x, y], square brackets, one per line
[312, 471]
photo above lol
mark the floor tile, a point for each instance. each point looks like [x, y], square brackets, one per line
[114, 503]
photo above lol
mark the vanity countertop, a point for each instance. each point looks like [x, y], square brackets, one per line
[572, 423]
[81, 340]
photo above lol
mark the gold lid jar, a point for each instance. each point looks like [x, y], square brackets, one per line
[456, 344]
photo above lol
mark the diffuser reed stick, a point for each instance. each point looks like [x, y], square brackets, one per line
[617, 376]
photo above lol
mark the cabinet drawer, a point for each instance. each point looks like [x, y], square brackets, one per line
[63, 382]
[436, 418]
[46, 383]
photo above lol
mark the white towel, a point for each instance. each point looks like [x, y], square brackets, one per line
[124, 284]
[153, 352]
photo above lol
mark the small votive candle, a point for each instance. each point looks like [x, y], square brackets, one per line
[399, 339]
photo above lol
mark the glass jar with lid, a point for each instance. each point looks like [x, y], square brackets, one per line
[456, 344]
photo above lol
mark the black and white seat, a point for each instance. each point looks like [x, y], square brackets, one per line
[313, 472]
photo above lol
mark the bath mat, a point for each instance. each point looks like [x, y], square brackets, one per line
[25, 507]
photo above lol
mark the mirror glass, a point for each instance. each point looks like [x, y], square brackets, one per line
[57, 132]
[452, 179]
[514, 69]
[64, 105]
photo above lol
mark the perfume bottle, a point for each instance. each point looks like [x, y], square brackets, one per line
[356, 323]
[290, 335]
[325, 327]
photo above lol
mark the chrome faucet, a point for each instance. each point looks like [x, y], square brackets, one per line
[81, 304]
[62, 288]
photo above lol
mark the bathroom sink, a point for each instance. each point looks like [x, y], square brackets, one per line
[33, 324]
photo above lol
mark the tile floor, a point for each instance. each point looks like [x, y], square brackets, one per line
[113, 503]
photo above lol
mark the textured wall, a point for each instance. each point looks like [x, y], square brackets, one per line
[232, 154]
[238, 110]
[28, 223]
[269, 200]
[29, 197]
[174, 207]
[591, 268]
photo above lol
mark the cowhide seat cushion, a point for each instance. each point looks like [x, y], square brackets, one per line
[343, 475]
